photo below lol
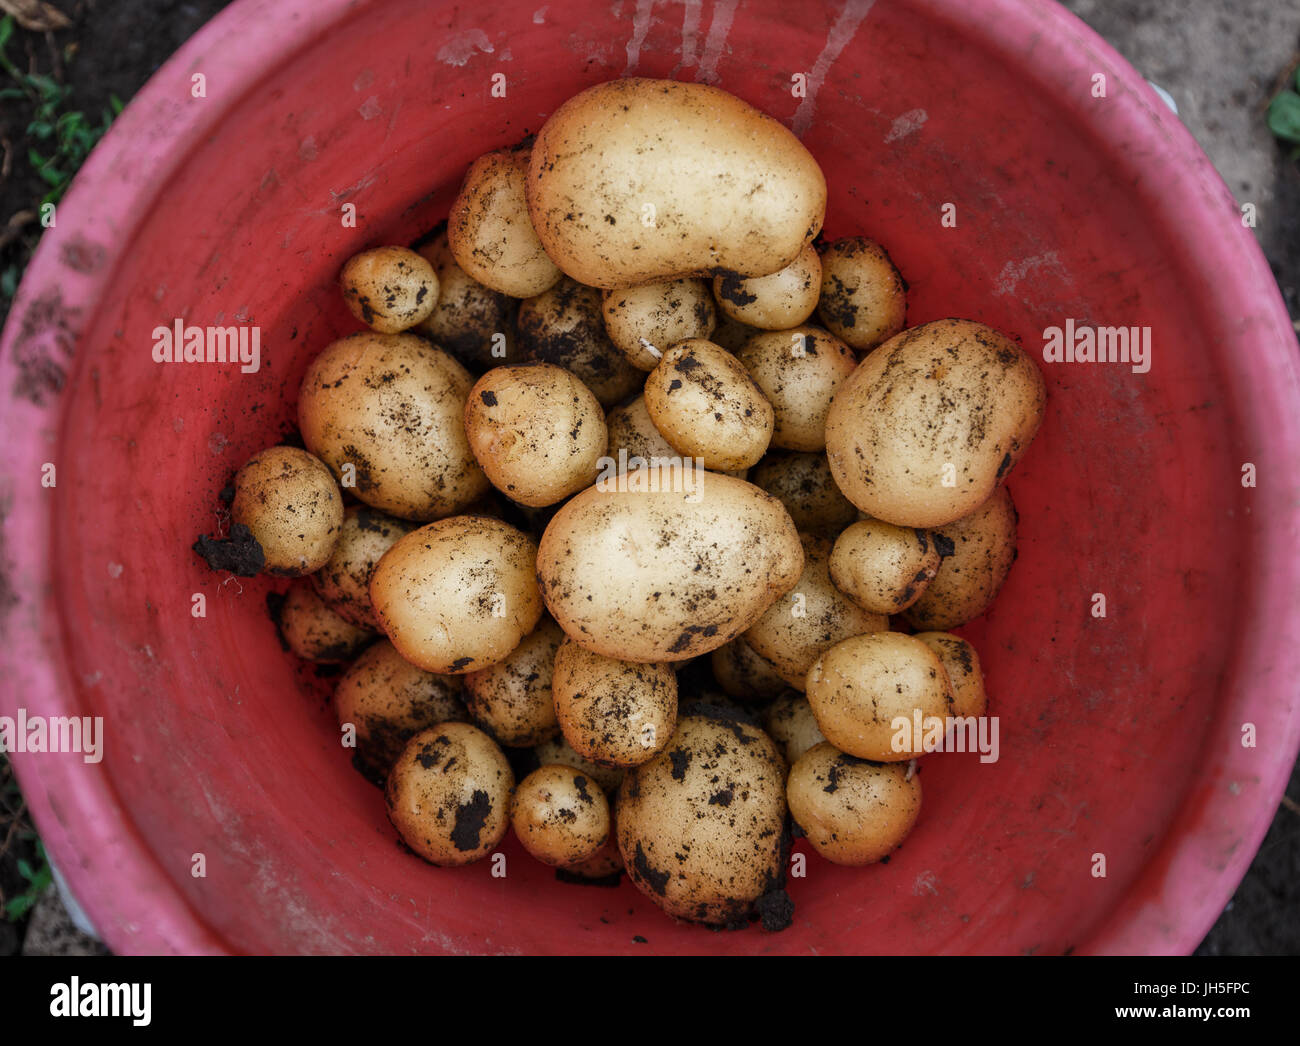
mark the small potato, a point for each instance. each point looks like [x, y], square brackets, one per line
[448, 794]
[928, 426]
[643, 321]
[883, 568]
[804, 485]
[290, 503]
[863, 298]
[812, 617]
[852, 811]
[778, 301]
[701, 826]
[730, 334]
[859, 687]
[389, 289]
[633, 433]
[565, 326]
[962, 664]
[536, 431]
[558, 750]
[344, 581]
[666, 567]
[743, 674]
[638, 181]
[458, 595]
[789, 721]
[978, 551]
[315, 632]
[470, 321]
[511, 700]
[615, 713]
[388, 701]
[798, 371]
[387, 413]
[560, 816]
[708, 407]
[490, 233]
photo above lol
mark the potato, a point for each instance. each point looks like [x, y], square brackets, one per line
[798, 371]
[560, 817]
[536, 431]
[644, 321]
[743, 674]
[860, 685]
[789, 721]
[489, 231]
[290, 503]
[978, 551]
[386, 413]
[315, 632]
[931, 422]
[638, 181]
[701, 827]
[883, 568]
[558, 750]
[615, 713]
[344, 581]
[778, 301]
[565, 326]
[730, 334]
[632, 432]
[449, 794]
[512, 700]
[459, 594]
[389, 289]
[665, 573]
[708, 407]
[387, 700]
[473, 323]
[804, 485]
[812, 617]
[962, 664]
[852, 811]
[863, 298]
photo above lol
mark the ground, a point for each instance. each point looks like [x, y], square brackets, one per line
[1222, 60]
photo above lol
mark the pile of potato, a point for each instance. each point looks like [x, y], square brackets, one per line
[652, 502]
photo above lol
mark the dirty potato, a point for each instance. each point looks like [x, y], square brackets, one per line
[389, 289]
[644, 321]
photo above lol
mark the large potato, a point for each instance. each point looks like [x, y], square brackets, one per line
[634, 181]
[386, 413]
[929, 424]
[666, 573]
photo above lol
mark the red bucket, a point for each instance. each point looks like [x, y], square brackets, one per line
[1156, 739]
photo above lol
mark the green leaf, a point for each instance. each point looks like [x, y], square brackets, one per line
[6, 30]
[1284, 116]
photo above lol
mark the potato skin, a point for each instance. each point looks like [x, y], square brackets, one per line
[632, 430]
[701, 827]
[448, 794]
[883, 568]
[660, 314]
[393, 407]
[798, 372]
[863, 298]
[707, 406]
[489, 231]
[558, 750]
[565, 326]
[511, 700]
[468, 315]
[388, 700]
[665, 574]
[344, 581]
[789, 721]
[537, 432]
[852, 811]
[457, 595]
[861, 684]
[978, 552]
[743, 674]
[615, 713]
[802, 482]
[775, 302]
[962, 664]
[952, 393]
[389, 289]
[289, 501]
[732, 188]
[314, 631]
[792, 641]
[559, 816]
